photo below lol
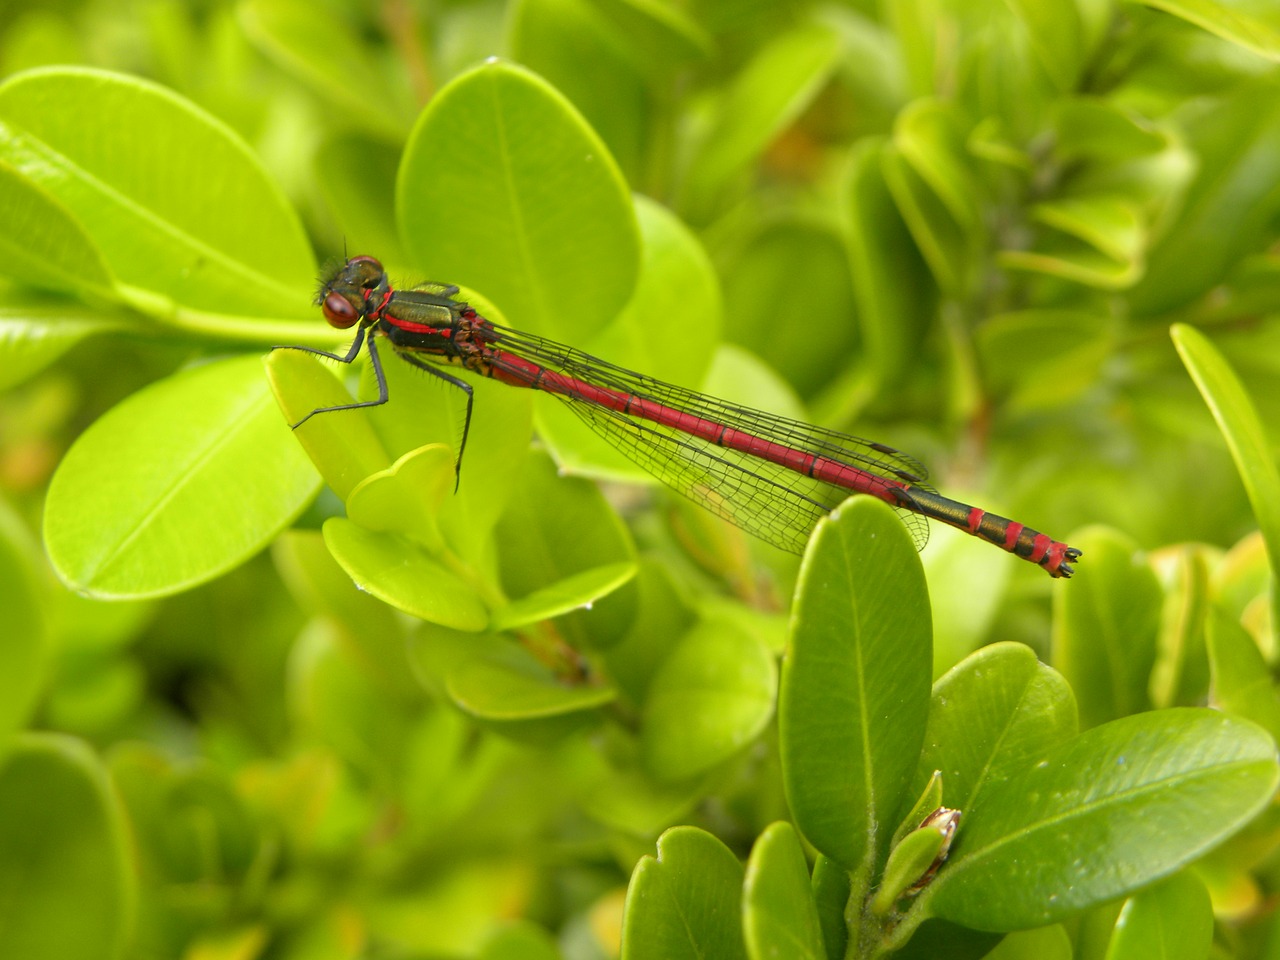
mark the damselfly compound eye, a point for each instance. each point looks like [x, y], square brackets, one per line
[338, 311]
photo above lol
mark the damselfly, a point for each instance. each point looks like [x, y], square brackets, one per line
[773, 477]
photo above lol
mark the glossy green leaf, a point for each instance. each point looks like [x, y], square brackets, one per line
[404, 575]
[780, 918]
[555, 243]
[939, 940]
[1104, 814]
[63, 854]
[1253, 24]
[766, 96]
[1102, 242]
[44, 245]
[556, 528]
[1106, 626]
[710, 698]
[1243, 430]
[831, 889]
[577, 48]
[1242, 684]
[24, 652]
[406, 497]
[686, 902]
[239, 248]
[507, 690]
[854, 696]
[1171, 921]
[176, 485]
[308, 46]
[34, 333]
[663, 613]
[574, 591]
[990, 716]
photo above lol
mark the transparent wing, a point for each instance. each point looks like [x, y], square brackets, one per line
[767, 500]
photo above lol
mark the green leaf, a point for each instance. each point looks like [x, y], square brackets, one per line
[357, 177]
[1106, 627]
[336, 699]
[831, 889]
[308, 46]
[592, 62]
[1056, 34]
[24, 652]
[1044, 943]
[321, 587]
[1243, 430]
[341, 444]
[35, 333]
[685, 903]
[1228, 205]
[1092, 129]
[710, 698]
[63, 854]
[767, 96]
[404, 575]
[943, 244]
[574, 591]
[406, 497]
[1181, 674]
[43, 244]
[507, 690]
[854, 697]
[989, 717]
[780, 918]
[793, 273]
[1253, 24]
[1171, 921]
[555, 243]
[891, 284]
[524, 940]
[239, 248]
[1110, 811]
[1242, 684]
[1041, 359]
[1100, 242]
[179, 483]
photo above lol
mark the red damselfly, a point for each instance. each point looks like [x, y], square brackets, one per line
[771, 476]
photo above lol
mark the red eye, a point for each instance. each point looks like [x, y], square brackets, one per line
[338, 311]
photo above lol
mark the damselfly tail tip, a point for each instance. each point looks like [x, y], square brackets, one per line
[1066, 558]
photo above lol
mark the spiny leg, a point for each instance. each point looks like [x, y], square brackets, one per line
[466, 422]
[351, 355]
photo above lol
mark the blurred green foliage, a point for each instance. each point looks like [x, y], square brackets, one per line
[275, 695]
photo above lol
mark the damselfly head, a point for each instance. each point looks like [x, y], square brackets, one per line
[345, 291]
